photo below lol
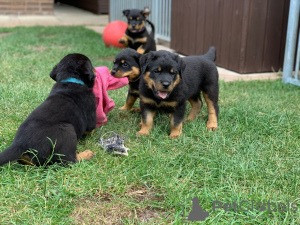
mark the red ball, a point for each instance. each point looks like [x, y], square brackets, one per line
[113, 32]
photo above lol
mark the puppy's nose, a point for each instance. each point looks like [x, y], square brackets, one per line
[165, 84]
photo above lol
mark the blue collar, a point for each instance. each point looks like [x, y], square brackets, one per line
[72, 80]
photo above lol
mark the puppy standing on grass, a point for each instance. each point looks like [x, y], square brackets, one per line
[51, 131]
[126, 64]
[136, 35]
[168, 81]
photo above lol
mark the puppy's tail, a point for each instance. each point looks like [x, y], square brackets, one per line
[211, 54]
[10, 154]
[152, 34]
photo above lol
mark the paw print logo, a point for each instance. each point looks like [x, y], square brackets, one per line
[197, 213]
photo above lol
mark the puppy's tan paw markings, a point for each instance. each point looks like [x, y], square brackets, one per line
[211, 126]
[191, 117]
[123, 41]
[143, 132]
[140, 50]
[124, 108]
[175, 134]
[135, 110]
[85, 155]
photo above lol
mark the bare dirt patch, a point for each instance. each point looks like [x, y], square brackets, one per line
[149, 214]
[107, 209]
[4, 34]
[95, 211]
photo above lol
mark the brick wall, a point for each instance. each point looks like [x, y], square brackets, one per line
[35, 7]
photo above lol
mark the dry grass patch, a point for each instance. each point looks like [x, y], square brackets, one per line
[61, 47]
[100, 211]
[4, 34]
[107, 209]
[38, 48]
[143, 194]
[107, 58]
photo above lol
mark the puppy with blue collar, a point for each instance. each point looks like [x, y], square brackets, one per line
[51, 132]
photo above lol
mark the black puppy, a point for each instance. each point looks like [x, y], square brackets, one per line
[126, 64]
[51, 131]
[168, 81]
[136, 35]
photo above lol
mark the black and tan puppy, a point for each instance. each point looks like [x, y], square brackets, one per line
[126, 64]
[51, 131]
[168, 81]
[136, 35]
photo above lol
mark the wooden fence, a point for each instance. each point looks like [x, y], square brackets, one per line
[249, 35]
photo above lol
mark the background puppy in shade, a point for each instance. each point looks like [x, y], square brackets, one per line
[168, 81]
[136, 35]
[51, 131]
[126, 64]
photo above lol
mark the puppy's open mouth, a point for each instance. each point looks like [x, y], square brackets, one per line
[162, 94]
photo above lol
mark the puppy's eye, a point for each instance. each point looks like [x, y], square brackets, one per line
[114, 61]
[173, 72]
[156, 71]
[138, 18]
[125, 65]
[130, 18]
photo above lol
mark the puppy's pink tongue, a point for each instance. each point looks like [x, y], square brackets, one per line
[162, 95]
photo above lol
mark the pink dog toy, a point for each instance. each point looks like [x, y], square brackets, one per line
[104, 82]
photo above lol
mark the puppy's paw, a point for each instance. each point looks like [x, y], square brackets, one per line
[123, 41]
[85, 155]
[135, 110]
[141, 50]
[174, 135]
[211, 126]
[143, 132]
[190, 118]
[88, 154]
[124, 108]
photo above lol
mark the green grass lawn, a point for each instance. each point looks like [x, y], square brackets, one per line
[254, 156]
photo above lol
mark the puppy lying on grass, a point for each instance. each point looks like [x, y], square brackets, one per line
[51, 131]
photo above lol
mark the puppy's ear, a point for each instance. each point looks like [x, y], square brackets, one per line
[144, 60]
[180, 63]
[137, 57]
[145, 12]
[91, 79]
[53, 73]
[126, 12]
[89, 74]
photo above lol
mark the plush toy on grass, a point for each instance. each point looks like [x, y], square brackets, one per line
[114, 145]
[113, 32]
